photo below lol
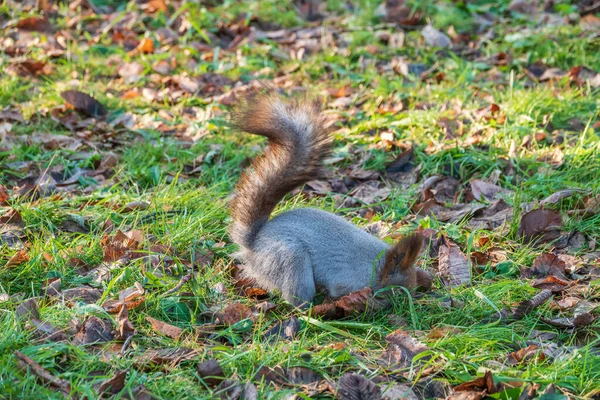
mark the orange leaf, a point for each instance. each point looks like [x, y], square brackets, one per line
[18, 258]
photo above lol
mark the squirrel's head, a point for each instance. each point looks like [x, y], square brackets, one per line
[399, 265]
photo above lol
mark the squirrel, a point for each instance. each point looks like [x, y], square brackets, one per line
[302, 251]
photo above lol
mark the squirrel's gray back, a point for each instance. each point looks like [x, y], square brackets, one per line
[341, 255]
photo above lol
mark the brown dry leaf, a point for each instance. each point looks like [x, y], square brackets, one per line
[357, 387]
[402, 349]
[210, 372]
[34, 24]
[131, 297]
[169, 330]
[233, 313]
[284, 329]
[369, 193]
[483, 383]
[552, 283]
[131, 72]
[121, 245]
[28, 309]
[487, 191]
[18, 258]
[113, 385]
[555, 198]
[125, 327]
[30, 366]
[170, 356]
[162, 67]
[540, 225]
[527, 354]
[32, 67]
[545, 265]
[454, 266]
[577, 321]
[84, 294]
[94, 330]
[356, 302]
[84, 103]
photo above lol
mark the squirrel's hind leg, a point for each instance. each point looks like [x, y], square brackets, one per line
[299, 288]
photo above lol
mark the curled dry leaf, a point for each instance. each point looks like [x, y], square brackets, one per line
[577, 321]
[113, 385]
[402, 349]
[483, 383]
[362, 301]
[357, 387]
[170, 356]
[540, 225]
[131, 298]
[526, 354]
[486, 191]
[552, 283]
[210, 372]
[284, 329]
[36, 24]
[169, 330]
[94, 330]
[454, 266]
[84, 103]
[546, 264]
[18, 258]
[125, 328]
[233, 313]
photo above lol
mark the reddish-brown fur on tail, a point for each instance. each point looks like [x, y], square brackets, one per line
[298, 142]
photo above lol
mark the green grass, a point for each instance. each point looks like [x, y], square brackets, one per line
[188, 213]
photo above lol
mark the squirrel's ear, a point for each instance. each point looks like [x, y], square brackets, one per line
[402, 255]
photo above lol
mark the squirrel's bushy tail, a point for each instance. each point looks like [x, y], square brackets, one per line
[298, 141]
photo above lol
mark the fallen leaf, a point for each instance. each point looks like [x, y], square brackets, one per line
[483, 383]
[113, 385]
[435, 38]
[402, 349]
[170, 356]
[552, 283]
[577, 321]
[233, 313]
[125, 328]
[557, 197]
[357, 387]
[37, 24]
[486, 191]
[526, 354]
[94, 330]
[28, 309]
[171, 331]
[284, 329]
[454, 266]
[210, 372]
[540, 225]
[546, 264]
[131, 72]
[18, 258]
[362, 301]
[84, 103]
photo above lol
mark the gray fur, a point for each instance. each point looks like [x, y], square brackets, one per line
[306, 250]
